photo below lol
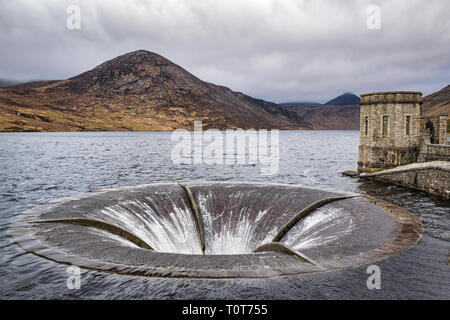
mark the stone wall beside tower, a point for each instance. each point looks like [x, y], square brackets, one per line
[434, 129]
[434, 144]
[390, 126]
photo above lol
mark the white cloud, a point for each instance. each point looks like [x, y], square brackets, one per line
[281, 50]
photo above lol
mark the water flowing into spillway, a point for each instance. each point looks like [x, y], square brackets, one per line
[325, 225]
[213, 229]
[174, 232]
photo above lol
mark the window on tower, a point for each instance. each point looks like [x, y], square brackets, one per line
[385, 125]
[366, 125]
[408, 125]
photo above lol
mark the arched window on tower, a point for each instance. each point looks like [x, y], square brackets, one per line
[430, 128]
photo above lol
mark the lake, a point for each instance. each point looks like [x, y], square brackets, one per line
[38, 167]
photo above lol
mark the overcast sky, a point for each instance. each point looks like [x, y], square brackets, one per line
[278, 50]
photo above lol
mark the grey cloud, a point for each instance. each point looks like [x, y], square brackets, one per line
[279, 50]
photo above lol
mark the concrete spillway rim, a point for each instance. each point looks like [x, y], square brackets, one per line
[212, 182]
[409, 234]
[262, 183]
[33, 245]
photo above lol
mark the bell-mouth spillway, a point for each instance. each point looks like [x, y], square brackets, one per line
[216, 230]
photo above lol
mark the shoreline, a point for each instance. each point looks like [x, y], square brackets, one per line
[156, 131]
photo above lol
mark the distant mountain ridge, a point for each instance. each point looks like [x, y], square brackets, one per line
[340, 113]
[299, 104]
[329, 117]
[140, 90]
[143, 91]
[346, 99]
[341, 116]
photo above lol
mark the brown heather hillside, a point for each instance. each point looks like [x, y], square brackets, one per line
[347, 116]
[329, 117]
[438, 103]
[138, 91]
[340, 113]
[143, 91]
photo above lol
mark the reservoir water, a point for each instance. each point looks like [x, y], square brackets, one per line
[36, 168]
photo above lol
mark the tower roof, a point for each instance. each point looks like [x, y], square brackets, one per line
[391, 97]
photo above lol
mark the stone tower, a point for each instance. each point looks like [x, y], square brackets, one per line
[390, 129]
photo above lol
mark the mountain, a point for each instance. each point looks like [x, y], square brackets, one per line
[345, 99]
[143, 91]
[140, 91]
[340, 113]
[438, 102]
[299, 104]
[334, 115]
[33, 84]
[329, 117]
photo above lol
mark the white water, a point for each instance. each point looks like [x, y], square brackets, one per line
[232, 231]
[168, 228]
[322, 226]
[175, 232]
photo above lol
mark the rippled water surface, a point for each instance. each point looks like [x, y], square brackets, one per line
[38, 167]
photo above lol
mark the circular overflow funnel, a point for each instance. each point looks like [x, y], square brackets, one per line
[217, 230]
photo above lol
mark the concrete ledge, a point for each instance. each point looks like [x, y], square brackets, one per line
[432, 177]
[436, 165]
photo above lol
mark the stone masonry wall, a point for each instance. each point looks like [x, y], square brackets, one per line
[377, 158]
[443, 119]
[432, 152]
[439, 134]
[396, 146]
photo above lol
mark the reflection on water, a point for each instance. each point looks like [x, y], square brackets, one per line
[38, 167]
